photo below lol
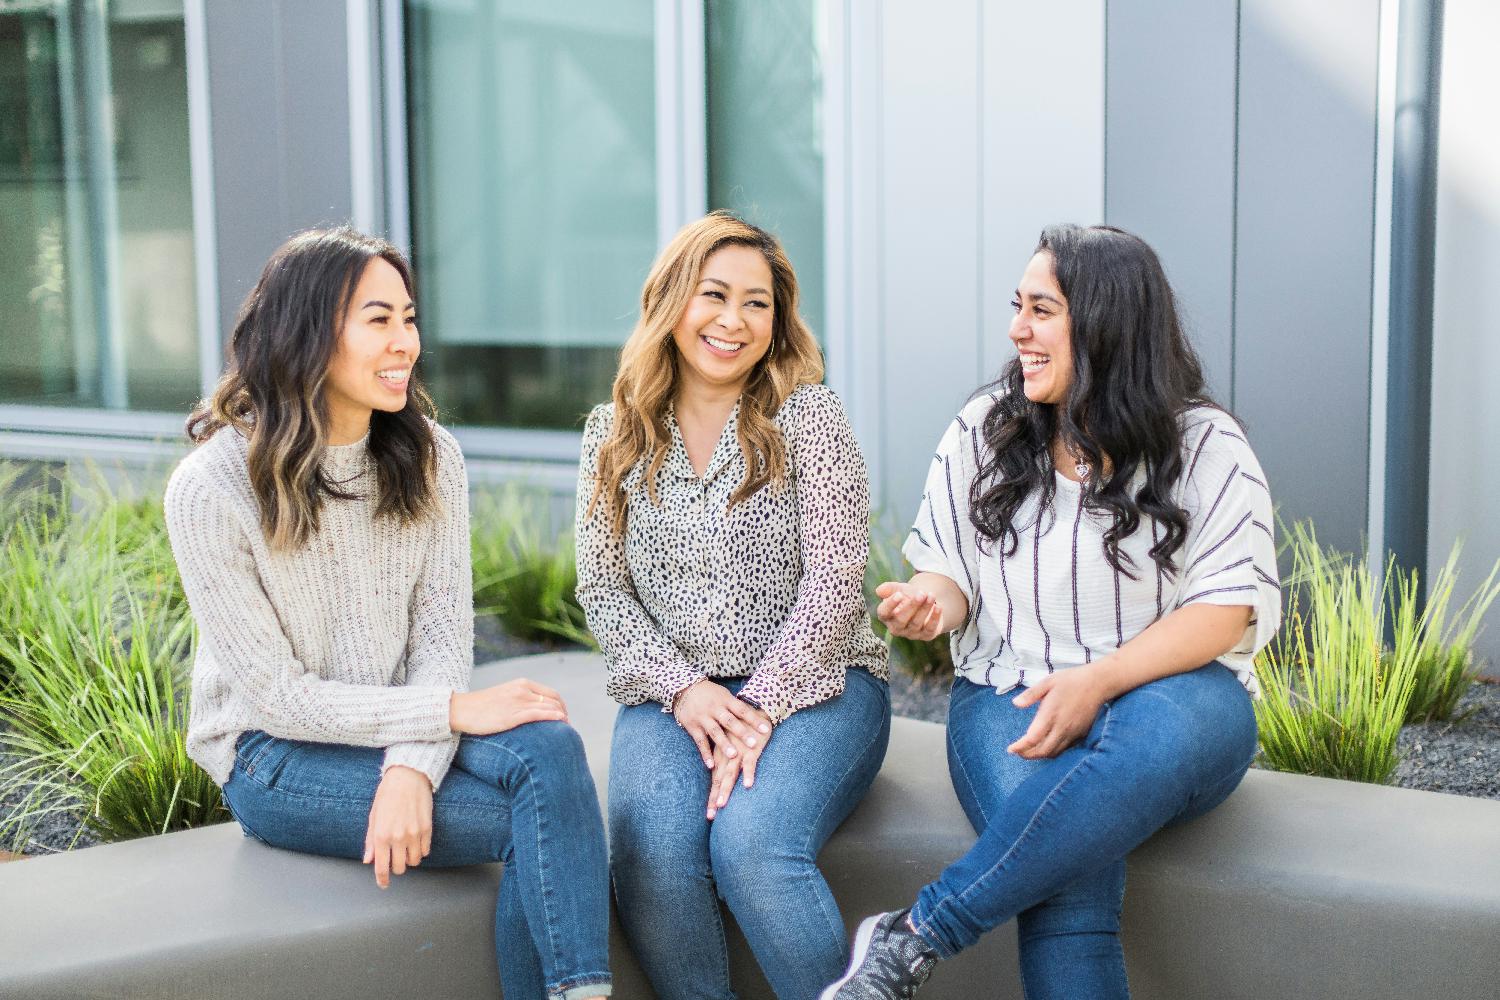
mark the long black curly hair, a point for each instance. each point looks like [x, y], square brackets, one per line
[1134, 374]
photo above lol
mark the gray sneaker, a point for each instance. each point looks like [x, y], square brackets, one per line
[889, 962]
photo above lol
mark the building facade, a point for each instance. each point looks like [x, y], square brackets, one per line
[533, 155]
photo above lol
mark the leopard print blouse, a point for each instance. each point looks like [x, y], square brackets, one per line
[770, 589]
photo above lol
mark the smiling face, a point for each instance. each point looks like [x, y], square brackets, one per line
[1043, 333]
[726, 327]
[377, 347]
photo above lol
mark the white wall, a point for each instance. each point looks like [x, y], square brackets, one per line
[1465, 474]
[954, 138]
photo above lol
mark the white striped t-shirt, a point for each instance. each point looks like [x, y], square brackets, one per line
[1056, 602]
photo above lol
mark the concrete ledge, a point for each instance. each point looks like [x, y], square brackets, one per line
[1296, 887]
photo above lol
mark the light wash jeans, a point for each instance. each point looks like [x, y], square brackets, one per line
[523, 797]
[1053, 834]
[759, 854]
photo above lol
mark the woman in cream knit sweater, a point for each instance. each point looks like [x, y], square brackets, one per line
[321, 529]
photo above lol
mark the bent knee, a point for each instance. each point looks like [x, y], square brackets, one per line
[557, 740]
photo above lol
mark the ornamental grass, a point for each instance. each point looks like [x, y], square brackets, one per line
[1334, 697]
[1445, 665]
[95, 649]
[525, 573]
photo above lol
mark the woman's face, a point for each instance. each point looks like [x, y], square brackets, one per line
[377, 347]
[726, 327]
[1043, 333]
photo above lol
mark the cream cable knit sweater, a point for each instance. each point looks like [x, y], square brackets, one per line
[358, 638]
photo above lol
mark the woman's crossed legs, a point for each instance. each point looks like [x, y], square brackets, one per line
[523, 797]
[1053, 833]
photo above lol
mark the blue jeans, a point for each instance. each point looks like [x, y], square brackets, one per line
[759, 854]
[1053, 834]
[523, 797]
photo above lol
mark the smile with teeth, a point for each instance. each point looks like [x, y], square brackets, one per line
[722, 345]
[393, 375]
[1033, 362]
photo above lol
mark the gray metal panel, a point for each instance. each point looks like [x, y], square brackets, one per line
[1043, 155]
[929, 154]
[1169, 155]
[1303, 279]
[279, 90]
[1465, 479]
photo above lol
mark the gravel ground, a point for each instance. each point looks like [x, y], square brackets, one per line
[54, 832]
[1462, 758]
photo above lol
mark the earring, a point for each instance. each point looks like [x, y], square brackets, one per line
[772, 352]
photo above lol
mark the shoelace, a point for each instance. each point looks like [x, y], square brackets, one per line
[898, 975]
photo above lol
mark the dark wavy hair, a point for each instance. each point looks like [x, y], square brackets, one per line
[284, 338]
[1134, 374]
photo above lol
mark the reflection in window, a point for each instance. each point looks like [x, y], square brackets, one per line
[765, 127]
[533, 168]
[96, 206]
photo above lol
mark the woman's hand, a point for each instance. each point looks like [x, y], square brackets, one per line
[715, 718]
[399, 834]
[726, 769]
[1070, 701]
[728, 765]
[909, 611]
[504, 706]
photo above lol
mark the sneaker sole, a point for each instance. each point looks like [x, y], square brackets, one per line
[862, 939]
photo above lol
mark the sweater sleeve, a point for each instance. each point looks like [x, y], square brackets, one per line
[1229, 555]
[238, 626]
[440, 643]
[833, 515]
[643, 663]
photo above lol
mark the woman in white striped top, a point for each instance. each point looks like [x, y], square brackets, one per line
[1095, 535]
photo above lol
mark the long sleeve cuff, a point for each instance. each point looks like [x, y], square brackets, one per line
[432, 758]
[768, 690]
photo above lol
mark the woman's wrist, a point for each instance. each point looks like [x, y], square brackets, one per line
[405, 772]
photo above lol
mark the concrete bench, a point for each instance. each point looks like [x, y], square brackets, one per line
[1295, 887]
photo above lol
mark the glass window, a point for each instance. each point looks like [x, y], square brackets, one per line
[765, 127]
[96, 206]
[533, 175]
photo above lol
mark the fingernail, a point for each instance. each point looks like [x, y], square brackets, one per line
[723, 800]
[765, 728]
[729, 752]
[749, 741]
[710, 814]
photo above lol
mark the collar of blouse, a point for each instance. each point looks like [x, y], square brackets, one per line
[726, 451]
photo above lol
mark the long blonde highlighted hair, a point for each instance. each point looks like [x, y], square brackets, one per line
[647, 379]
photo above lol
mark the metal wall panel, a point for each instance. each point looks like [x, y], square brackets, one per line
[963, 141]
[1465, 479]
[278, 81]
[929, 173]
[1043, 135]
[1169, 138]
[1303, 254]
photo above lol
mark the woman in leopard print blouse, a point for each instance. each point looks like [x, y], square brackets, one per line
[723, 528]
